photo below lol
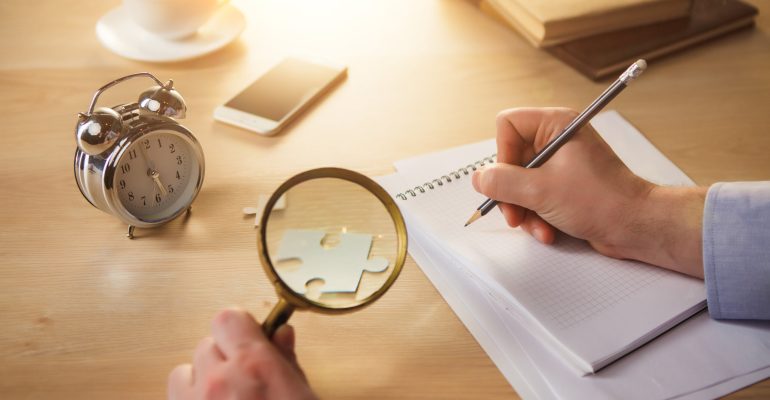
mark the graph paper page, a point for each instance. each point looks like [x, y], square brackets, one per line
[589, 308]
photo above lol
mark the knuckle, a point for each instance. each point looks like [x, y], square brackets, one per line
[567, 112]
[507, 116]
[251, 367]
[176, 373]
[254, 359]
[204, 344]
[225, 315]
[498, 183]
[215, 385]
[564, 115]
[502, 116]
[230, 383]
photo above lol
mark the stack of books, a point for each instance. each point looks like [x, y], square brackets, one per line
[600, 38]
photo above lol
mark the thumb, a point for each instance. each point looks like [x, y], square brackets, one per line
[510, 184]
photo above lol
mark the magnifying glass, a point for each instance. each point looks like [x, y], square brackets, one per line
[330, 240]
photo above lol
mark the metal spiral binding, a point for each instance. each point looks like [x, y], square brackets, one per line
[440, 181]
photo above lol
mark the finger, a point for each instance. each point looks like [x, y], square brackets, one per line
[284, 340]
[511, 145]
[206, 356]
[233, 329]
[521, 132]
[180, 382]
[538, 228]
[475, 180]
[511, 184]
[513, 214]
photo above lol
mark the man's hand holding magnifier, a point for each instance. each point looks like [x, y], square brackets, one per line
[239, 362]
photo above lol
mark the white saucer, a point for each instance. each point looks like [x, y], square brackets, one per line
[120, 34]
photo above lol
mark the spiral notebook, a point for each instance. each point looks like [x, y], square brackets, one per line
[587, 308]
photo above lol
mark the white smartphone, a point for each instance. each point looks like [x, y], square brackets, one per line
[278, 96]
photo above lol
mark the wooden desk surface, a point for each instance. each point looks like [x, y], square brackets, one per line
[86, 313]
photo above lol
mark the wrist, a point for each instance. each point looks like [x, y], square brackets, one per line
[667, 229]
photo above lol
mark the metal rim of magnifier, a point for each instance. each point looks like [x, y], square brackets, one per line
[298, 301]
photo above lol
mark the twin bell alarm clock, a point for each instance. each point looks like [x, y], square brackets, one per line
[135, 161]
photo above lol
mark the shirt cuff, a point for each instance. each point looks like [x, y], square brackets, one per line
[736, 250]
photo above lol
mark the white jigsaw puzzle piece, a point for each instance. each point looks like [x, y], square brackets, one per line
[339, 267]
[262, 200]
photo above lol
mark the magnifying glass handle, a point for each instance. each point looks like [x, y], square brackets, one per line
[279, 316]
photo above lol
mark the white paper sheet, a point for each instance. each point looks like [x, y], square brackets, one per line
[699, 359]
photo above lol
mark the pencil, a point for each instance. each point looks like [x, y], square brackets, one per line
[613, 90]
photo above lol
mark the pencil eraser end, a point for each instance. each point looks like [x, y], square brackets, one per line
[633, 72]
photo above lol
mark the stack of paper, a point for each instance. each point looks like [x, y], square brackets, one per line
[534, 335]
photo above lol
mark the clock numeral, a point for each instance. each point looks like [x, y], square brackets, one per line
[147, 144]
[122, 184]
[125, 168]
[130, 196]
[178, 176]
[132, 154]
[171, 146]
[157, 197]
[179, 160]
[170, 189]
[160, 146]
[144, 200]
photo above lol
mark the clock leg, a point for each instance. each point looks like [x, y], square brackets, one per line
[189, 209]
[130, 233]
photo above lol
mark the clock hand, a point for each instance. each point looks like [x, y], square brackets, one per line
[147, 160]
[151, 172]
[155, 175]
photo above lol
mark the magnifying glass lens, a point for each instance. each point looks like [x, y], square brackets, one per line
[331, 242]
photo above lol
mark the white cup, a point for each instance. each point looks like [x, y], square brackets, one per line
[171, 19]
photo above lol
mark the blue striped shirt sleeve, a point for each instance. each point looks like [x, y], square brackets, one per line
[736, 250]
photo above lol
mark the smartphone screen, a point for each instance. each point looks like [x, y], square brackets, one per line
[279, 91]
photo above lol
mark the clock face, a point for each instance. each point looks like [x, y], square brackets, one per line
[157, 176]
